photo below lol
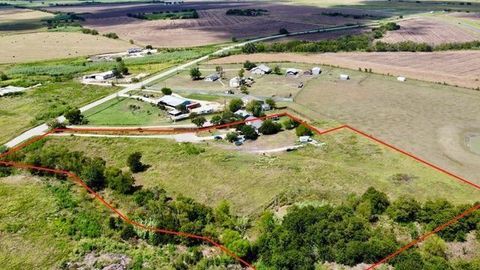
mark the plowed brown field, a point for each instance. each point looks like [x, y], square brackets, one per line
[213, 26]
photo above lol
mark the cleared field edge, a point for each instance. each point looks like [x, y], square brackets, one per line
[76, 179]
[380, 63]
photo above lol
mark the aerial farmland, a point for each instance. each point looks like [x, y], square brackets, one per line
[296, 134]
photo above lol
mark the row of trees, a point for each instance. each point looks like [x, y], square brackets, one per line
[349, 43]
[93, 171]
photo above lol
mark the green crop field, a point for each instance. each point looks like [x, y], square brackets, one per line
[36, 106]
[125, 112]
[348, 164]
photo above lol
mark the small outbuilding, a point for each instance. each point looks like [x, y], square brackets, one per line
[212, 77]
[99, 76]
[261, 70]
[316, 71]
[305, 139]
[242, 113]
[235, 82]
[344, 77]
[254, 122]
[292, 72]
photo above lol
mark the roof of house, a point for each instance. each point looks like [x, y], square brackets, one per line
[293, 70]
[254, 122]
[242, 113]
[263, 68]
[213, 76]
[173, 100]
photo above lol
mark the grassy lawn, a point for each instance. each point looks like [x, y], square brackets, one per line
[348, 164]
[30, 234]
[18, 113]
[125, 112]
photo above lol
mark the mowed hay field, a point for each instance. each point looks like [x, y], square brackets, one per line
[433, 31]
[212, 26]
[460, 68]
[205, 172]
[429, 120]
[16, 20]
[55, 45]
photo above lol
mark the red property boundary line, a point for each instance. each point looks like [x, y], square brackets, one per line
[80, 182]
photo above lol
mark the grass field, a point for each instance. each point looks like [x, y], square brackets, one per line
[55, 45]
[31, 235]
[348, 164]
[423, 118]
[460, 68]
[119, 112]
[264, 86]
[15, 20]
[18, 113]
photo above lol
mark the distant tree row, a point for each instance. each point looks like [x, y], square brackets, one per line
[250, 12]
[364, 42]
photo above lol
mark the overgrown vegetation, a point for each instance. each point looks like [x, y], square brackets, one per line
[63, 20]
[62, 70]
[250, 12]
[167, 15]
[355, 233]
[347, 15]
